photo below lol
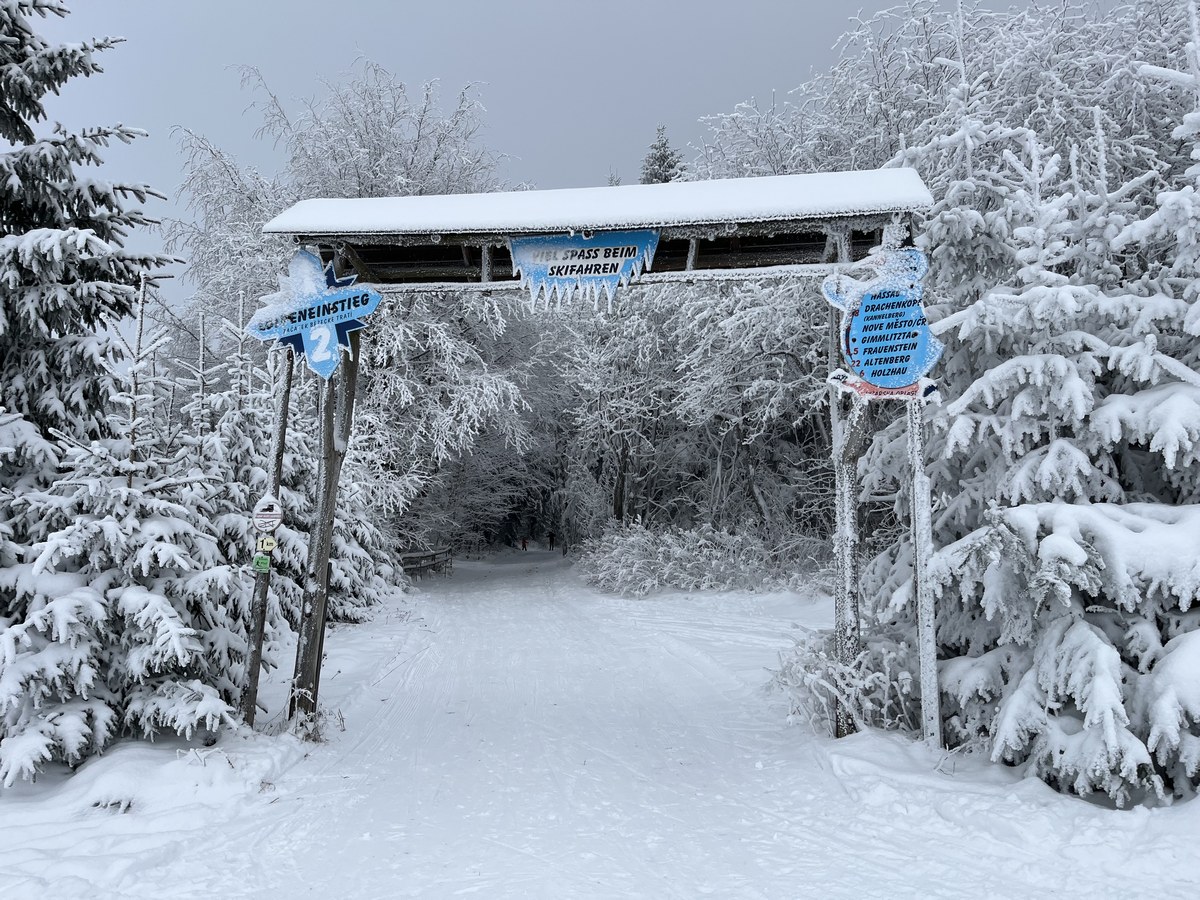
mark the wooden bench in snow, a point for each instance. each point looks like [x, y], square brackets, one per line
[420, 562]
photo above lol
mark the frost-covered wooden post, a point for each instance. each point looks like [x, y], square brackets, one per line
[843, 429]
[888, 348]
[922, 538]
[262, 580]
[337, 417]
[318, 314]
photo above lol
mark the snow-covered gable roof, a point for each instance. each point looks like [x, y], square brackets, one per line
[777, 198]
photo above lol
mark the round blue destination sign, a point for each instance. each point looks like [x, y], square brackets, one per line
[886, 339]
[888, 342]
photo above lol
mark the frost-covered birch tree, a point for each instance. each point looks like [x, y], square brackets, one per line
[367, 135]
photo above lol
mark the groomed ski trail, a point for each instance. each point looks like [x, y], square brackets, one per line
[532, 738]
[520, 735]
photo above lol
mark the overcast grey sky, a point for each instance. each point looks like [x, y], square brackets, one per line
[573, 90]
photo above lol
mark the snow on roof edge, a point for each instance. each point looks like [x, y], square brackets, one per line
[675, 204]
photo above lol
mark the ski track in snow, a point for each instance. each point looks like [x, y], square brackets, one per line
[523, 736]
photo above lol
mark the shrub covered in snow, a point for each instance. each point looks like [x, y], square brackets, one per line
[633, 559]
[879, 688]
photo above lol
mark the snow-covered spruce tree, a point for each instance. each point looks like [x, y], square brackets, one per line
[64, 280]
[1051, 631]
[227, 448]
[230, 415]
[65, 277]
[127, 626]
[1068, 381]
[1065, 629]
[663, 162]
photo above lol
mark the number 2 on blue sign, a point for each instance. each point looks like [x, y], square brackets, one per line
[322, 336]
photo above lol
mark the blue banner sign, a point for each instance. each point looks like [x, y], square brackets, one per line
[886, 340]
[560, 264]
[314, 312]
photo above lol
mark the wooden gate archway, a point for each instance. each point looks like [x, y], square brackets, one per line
[727, 229]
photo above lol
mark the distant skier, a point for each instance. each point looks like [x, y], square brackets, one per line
[524, 543]
[551, 538]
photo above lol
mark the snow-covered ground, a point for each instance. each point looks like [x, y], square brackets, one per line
[520, 735]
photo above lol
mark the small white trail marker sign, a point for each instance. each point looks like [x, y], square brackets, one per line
[267, 515]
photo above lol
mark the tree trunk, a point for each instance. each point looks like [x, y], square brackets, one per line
[619, 483]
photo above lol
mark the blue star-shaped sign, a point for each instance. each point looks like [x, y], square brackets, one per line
[314, 312]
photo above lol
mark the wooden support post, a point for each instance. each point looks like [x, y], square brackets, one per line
[262, 581]
[846, 431]
[336, 418]
[485, 263]
[922, 538]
